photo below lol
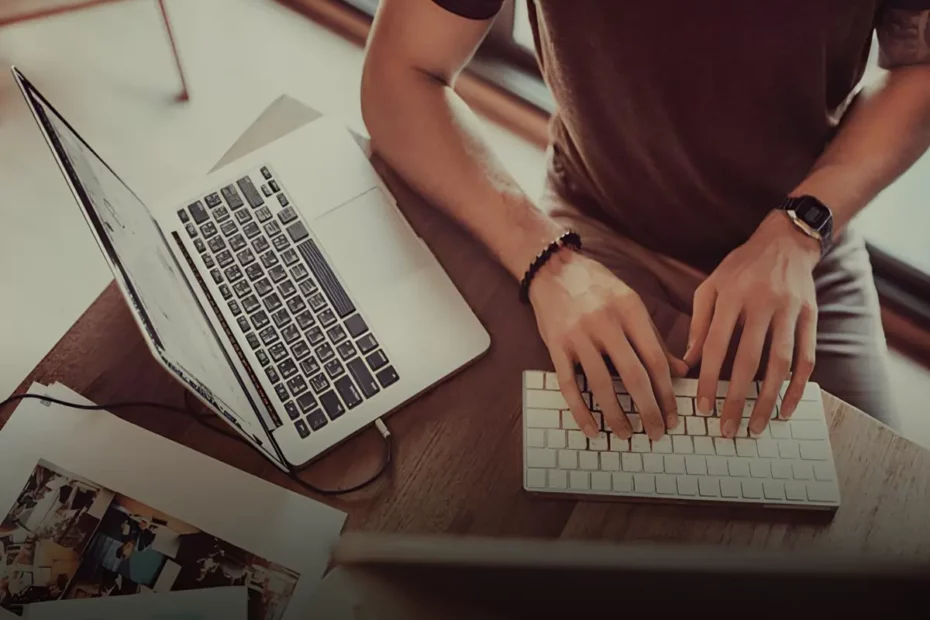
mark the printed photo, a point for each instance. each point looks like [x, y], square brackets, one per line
[67, 538]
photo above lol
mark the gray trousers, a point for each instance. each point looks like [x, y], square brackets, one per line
[851, 358]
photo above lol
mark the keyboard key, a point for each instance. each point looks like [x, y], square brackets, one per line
[274, 186]
[289, 257]
[644, 483]
[731, 488]
[217, 244]
[822, 492]
[334, 368]
[708, 487]
[824, 472]
[316, 420]
[225, 259]
[266, 172]
[185, 218]
[674, 464]
[295, 304]
[261, 245]
[310, 366]
[387, 376]
[277, 273]
[208, 261]
[290, 334]
[376, 360]
[713, 427]
[356, 326]
[281, 391]
[283, 200]
[746, 447]
[272, 302]
[695, 465]
[315, 336]
[666, 485]
[286, 215]
[237, 242]
[234, 307]
[779, 429]
[200, 246]
[554, 437]
[250, 230]
[336, 334]
[300, 350]
[266, 190]
[332, 405]
[681, 444]
[781, 470]
[291, 410]
[752, 489]
[304, 319]
[543, 418]
[281, 318]
[278, 352]
[685, 405]
[221, 214]
[250, 304]
[307, 287]
[327, 318]
[578, 480]
[687, 486]
[653, 463]
[272, 373]
[269, 259]
[802, 470]
[768, 448]
[216, 275]
[796, 491]
[631, 462]
[346, 351]
[759, 468]
[635, 422]
[244, 324]
[259, 320]
[272, 228]
[212, 200]
[703, 445]
[269, 336]
[232, 197]
[773, 489]
[663, 446]
[588, 460]
[348, 392]
[640, 443]
[233, 273]
[302, 429]
[577, 440]
[801, 429]
[324, 352]
[317, 302]
[287, 368]
[208, 230]
[319, 383]
[225, 292]
[263, 214]
[367, 343]
[251, 194]
[243, 217]
[739, 468]
[254, 272]
[262, 357]
[717, 466]
[724, 447]
[245, 257]
[198, 212]
[252, 339]
[280, 243]
[297, 385]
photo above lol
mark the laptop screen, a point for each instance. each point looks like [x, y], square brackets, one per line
[159, 294]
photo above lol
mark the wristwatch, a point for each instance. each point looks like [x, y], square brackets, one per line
[813, 217]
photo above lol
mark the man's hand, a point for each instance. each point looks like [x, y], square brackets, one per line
[767, 285]
[584, 312]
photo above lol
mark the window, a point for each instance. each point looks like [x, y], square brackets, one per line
[522, 34]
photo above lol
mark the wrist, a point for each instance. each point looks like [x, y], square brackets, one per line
[778, 227]
[548, 275]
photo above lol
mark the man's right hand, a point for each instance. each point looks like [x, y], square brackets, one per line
[584, 312]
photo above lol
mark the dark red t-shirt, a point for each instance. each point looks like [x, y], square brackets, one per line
[681, 123]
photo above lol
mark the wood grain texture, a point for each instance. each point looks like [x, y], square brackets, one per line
[458, 464]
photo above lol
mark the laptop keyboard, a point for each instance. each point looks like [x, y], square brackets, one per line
[315, 348]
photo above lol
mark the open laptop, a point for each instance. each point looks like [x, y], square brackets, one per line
[286, 290]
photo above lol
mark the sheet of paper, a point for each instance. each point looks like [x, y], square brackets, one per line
[212, 604]
[87, 499]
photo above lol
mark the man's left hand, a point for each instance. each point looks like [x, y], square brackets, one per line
[767, 285]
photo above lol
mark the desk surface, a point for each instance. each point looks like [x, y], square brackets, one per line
[458, 465]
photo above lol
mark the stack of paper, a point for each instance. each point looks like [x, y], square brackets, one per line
[93, 507]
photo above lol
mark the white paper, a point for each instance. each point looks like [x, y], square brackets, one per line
[285, 532]
[212, 604]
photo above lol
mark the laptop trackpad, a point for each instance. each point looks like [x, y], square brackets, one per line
[369, 243]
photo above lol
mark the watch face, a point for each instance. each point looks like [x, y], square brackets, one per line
[812, 213]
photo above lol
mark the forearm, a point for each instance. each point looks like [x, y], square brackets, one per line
[427, 133]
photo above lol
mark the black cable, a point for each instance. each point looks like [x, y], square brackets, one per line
[202, 420]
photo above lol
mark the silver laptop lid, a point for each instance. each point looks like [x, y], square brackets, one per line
[173, 323]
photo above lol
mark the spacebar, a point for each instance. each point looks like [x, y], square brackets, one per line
[326, 278]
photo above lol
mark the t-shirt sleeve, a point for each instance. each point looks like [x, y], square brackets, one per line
[472, 9]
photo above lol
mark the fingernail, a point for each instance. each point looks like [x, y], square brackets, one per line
[729, 428]
[703, 405]
[757, 428]
[784, 413]
[672, 420]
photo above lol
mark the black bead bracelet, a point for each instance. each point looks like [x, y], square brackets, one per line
[568, 239]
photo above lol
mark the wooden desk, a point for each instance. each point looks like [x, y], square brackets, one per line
[457, 466]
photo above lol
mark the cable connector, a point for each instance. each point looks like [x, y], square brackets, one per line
[382, 428]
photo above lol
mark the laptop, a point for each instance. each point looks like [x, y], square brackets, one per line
[392, 576]
[285, 290]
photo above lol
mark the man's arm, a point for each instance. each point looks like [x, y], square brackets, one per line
[888, 129]
[768, 281]
[427, 134]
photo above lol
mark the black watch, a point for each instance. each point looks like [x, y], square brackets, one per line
[811, 216]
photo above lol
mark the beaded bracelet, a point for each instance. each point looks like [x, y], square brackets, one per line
[567, 239]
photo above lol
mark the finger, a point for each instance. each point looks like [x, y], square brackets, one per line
[636, 380]
[804, 363]
[651, 352]
[677, 366]
[745, 366]
[780, 353]
[568, 385]
[714, 352]
[705, 298]
[602, 387]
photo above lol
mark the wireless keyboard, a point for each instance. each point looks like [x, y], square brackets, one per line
[790, 464]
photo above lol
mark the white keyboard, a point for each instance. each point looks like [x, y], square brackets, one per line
[789, 465]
